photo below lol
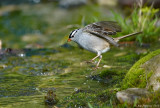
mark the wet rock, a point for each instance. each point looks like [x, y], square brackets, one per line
[33, 37]
[145, 45]
[50, 98]
[7, 2]
[67, 46]
[141, 51]
[120, 54]
[158, 23]
[130, 95]
[29, 46]
[11, 52]
[76, 91]
[145, 73]
[107, 66]
[153, 65]
[15, 2]
[132, 2]
[100, 78]
[107, 2]
[71, 3]
[14, 52]
[5, 10]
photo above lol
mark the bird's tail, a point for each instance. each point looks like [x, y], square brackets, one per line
[119, 38]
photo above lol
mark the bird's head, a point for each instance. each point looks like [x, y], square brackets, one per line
[72, 35]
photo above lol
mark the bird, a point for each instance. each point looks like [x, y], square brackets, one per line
[97, 37]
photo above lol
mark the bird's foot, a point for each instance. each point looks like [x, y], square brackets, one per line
[90, 61]
[95, 68]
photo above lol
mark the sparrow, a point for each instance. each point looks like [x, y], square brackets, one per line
[96, 37]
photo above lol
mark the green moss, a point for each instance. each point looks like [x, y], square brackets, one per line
[80, 100]
[136, 77]
[158, 79]
[95, 98]
[155, 99]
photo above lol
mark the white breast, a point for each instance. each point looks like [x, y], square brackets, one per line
[92, 43]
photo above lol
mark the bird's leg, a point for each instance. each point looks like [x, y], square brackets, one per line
[91, 61]
[100, 58]
[94, 58]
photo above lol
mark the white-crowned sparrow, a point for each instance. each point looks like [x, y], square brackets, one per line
[95, 37]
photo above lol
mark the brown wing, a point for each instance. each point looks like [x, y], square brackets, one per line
[103, 29]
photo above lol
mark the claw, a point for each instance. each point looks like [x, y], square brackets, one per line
[92, 60]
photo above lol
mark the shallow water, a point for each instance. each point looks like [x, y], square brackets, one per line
[25, 80]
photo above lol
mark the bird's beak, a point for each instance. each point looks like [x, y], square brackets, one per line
[69, 40]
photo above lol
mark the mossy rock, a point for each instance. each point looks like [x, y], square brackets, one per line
[144, 72]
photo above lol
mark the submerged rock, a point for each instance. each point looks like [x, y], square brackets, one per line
[71, 3]
[131, 95]
[11, 52]
[50, 98]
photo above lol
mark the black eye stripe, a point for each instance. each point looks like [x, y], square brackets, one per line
[72, 33]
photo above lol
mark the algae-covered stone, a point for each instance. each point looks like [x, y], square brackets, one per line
[131, 95]
[145, 73]
[50, 98]
[153, 65]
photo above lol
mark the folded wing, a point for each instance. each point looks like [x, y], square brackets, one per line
[103, 29]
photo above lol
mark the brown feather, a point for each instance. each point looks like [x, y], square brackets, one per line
[103, 29]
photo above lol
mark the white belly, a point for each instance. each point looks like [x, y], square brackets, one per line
[93, 43]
